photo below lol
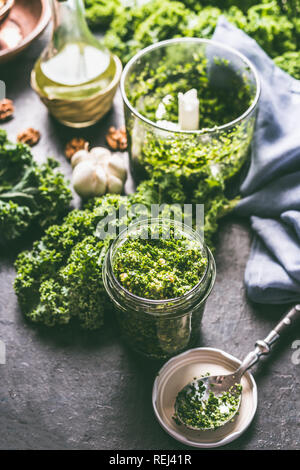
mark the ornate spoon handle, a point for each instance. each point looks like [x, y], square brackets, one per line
[262, 347]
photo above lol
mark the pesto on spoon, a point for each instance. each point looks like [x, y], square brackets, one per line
[211, 401]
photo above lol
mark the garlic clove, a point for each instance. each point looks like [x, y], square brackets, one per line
[78, 157]
[100, 154]
[114, 184]
[81, 179]
[116, 167]
[100, 181]
[88, 180]
[103, 163]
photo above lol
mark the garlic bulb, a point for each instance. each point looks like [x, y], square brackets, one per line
[98, 171]
[89, 180]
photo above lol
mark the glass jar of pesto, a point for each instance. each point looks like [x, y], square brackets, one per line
[158, 274]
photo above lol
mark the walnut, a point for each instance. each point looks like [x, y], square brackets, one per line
[30, 136]
[77, 143]
[116, 138]
[6, 109]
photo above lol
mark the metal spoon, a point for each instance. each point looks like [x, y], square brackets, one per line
[219, 384]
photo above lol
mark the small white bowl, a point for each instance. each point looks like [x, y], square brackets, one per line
[180, 370]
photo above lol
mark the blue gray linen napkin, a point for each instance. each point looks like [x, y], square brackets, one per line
[271, 190]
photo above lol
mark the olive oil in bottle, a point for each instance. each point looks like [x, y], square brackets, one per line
[74, 68]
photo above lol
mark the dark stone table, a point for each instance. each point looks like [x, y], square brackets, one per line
[66, 388]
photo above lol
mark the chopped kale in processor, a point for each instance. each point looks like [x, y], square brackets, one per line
[194, 168]
[219, 105]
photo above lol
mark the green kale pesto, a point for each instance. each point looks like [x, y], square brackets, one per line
[210, 413]
[156, 264]
[160, 268]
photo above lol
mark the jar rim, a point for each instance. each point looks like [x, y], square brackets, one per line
[161, 302]
[204, 131]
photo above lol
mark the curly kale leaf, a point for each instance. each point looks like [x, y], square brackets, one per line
[202, 24]
[75, 290]
[274, 24]
[270, 28]
[14, 161]
[134, 28]
[53, 196]
[53, 307]
[290, 63]
[42, 295]
[100, 13]
[33, 267]
[165, 21]
[244, 5]
[61, 277]
[81, 278]
[14, 219]
[31, 195]
[289, 7]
